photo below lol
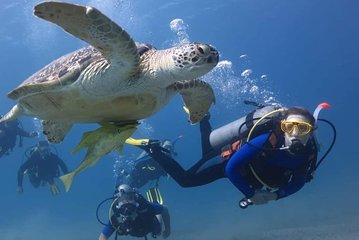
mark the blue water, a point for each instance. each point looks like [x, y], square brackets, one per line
[308, 51]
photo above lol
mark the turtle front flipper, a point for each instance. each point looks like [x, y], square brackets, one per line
[55, 131]
[197, 95]
[15, 112]
[90, 25]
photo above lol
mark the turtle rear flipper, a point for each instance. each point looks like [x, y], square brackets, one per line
[197, 95]
[55, 131]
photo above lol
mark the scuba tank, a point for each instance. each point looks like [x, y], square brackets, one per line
[240, 128]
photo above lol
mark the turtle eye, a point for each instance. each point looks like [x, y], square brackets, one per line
[200, 50]
[195, 59]
[203, 50]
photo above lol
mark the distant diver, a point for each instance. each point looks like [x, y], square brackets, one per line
[8, 135]
[131, 214]
[42, 167]
[146, 169]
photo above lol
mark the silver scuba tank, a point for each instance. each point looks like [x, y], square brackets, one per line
[240, 128]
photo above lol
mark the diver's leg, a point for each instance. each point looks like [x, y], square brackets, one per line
[190, 178]
[205, 129]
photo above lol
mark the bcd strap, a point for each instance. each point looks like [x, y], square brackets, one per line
[229, 149]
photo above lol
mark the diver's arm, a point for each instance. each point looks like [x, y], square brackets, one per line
[296, 183]
[166, 222]
[20, 172]
[102, 237]
[242, 157]
[205, 129]
[299, 177]
[107, 231]
[62, 165]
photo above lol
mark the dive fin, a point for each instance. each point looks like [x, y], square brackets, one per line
[137, 142]
[154, 195]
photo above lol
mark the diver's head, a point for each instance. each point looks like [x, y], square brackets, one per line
[126, 205]
[124, 189]
[43, 148]
[297, 126]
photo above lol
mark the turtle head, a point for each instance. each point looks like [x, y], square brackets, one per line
[183, 62]
[194, 59]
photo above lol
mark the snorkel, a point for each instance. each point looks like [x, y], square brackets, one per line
[318, 109]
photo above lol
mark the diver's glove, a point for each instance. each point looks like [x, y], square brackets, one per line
[152, 146]
[262, 197]
[54, 189]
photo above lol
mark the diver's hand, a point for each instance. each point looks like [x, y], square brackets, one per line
[34, 134]
[262, 197]
[19, 189]
[166, 233]
[54, 189]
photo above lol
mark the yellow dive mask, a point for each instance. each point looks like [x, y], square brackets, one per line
[303, 127]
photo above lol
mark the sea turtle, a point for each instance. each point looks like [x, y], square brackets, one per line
[114, 81]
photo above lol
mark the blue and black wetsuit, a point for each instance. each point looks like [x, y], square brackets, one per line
[146, 222]
[146, 169]
[279, 169]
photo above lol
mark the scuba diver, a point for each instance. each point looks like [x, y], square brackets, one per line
[8, 133]
[41, 166]
[146, 169]
[267, 155]
[131, 214]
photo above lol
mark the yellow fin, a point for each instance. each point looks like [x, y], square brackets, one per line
[137, 142]
[154, 195]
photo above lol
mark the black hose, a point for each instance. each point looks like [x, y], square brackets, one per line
[98, 208]
[332, 143]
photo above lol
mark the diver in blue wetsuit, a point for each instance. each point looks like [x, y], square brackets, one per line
[271, 161]
[131, 214]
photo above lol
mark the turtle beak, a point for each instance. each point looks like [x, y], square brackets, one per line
[213, 56]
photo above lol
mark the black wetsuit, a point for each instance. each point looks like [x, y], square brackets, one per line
[8, 133]
[41, 169]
